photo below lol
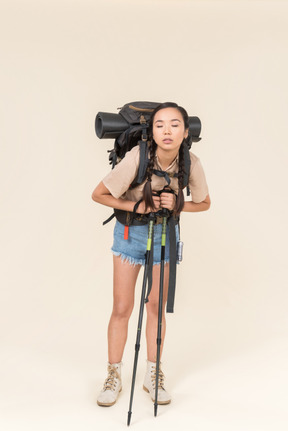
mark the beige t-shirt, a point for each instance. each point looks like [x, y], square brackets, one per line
[120, 178]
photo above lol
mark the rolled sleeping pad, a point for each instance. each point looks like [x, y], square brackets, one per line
[110, 126]
[194, 128]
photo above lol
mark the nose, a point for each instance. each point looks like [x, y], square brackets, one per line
[167, 130]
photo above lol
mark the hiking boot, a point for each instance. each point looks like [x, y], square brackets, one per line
[112, 386]
[150, 384]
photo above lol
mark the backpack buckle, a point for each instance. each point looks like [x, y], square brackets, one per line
[142, 119]
[158, 220]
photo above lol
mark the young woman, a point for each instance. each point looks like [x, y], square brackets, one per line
[169, 129]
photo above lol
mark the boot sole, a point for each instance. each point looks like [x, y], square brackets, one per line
[162, 403]
[108, 404]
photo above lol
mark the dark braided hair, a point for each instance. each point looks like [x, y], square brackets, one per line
[147, 191]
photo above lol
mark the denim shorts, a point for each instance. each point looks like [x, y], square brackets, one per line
[133, 249]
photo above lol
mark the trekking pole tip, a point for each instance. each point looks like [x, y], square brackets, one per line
[129, 418]
[155, 410]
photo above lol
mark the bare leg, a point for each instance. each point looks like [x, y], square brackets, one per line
[124, 280]
[152, 312]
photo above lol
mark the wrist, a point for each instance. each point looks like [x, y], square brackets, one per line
[140, 208]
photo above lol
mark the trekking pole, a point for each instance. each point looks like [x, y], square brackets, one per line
[160, 305]
[139, 327]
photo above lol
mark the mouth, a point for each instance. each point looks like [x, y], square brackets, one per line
[167, 140]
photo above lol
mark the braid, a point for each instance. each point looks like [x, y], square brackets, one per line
[147, 191]
[180, 197]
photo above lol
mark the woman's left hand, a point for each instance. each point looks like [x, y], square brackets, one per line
[167, 200]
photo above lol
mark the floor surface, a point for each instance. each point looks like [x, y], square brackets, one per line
[244, 392]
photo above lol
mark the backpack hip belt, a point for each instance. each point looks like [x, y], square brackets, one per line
[128, 219]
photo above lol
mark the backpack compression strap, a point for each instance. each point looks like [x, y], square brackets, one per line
[172, 265]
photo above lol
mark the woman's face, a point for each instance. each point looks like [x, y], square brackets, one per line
[169, 129]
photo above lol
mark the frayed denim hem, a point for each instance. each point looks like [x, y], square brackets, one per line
[129, 259]
[132, 261]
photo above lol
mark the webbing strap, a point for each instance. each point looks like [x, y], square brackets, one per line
[143, 162]
[108, 219]
[150, 270]
[135, 210]
[172, 265]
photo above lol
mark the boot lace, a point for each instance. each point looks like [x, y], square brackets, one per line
[161, 378]
[111, 381]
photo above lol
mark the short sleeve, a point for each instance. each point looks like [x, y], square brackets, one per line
[120, 178]
[197, 181]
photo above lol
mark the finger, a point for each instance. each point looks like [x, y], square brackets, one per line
[167, 199]
[165, 195]
[168, 202]
[156, 201]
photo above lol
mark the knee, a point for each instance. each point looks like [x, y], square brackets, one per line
[122, 311]
[152, 308]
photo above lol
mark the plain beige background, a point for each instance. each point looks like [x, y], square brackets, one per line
[226, 350]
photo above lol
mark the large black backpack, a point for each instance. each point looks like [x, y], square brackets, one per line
[129, 128]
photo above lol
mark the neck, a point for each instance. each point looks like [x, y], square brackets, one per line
[165, 158]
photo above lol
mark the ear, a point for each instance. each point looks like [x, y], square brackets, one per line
[186, 133]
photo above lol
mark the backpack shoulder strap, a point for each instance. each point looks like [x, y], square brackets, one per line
[143, 163]
[187, 165]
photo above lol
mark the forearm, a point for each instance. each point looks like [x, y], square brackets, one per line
[110, 201]
[190, 206]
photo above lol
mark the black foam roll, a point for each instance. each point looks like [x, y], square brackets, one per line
[109, 126]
